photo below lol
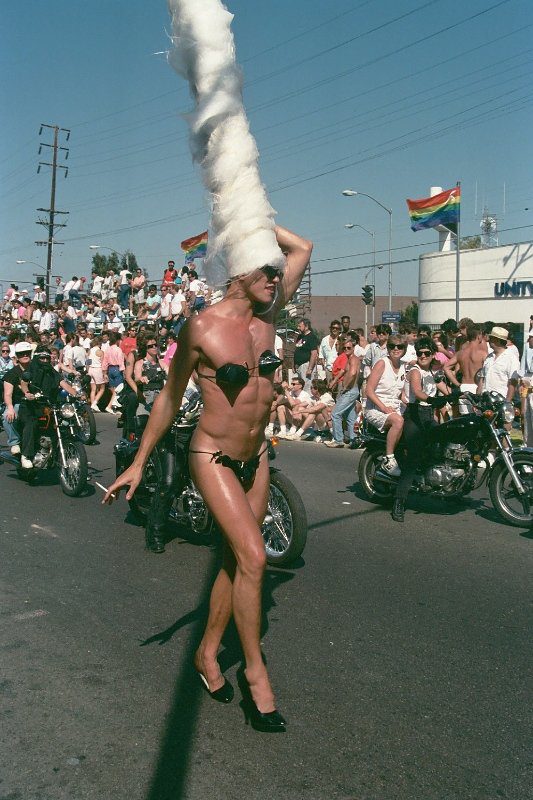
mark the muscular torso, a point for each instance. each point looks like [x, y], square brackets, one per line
[233, 419]
[470, 359]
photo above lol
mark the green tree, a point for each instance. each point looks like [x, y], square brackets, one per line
[129, 262]
[471, 243]
[102, 264]
[410, 314]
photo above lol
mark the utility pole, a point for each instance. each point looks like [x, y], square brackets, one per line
[50, 223]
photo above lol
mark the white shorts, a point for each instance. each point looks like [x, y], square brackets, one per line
[465, 407]
[378, 418]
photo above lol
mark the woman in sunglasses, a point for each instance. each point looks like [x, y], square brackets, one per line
[421, 386]
[230, 346]
[383, 399]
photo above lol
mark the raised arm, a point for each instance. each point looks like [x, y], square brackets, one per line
[298, 253]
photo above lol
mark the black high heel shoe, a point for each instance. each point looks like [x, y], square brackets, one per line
[223, 695]
[269, 722]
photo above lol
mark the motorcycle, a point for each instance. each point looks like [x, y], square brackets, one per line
[285, 526]
[57, 446]
[457, 451]
[83, 413]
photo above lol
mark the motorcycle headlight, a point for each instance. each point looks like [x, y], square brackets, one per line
[68, 411]
[508, 412]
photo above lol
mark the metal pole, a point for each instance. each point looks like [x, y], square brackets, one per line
[51, 218]
[374, 279]
[458, 262]
[390, 260]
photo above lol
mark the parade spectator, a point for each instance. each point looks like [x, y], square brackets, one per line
[500, 371]
[170, 274]
[197, 291]
[72, 355]
[317, 413]
[129, 341]
[443, 353]
[96, 285]
[171, 347]
[466, 364]
[113, 367]
[409, 333]
[327, 351]
[383, 399]
[344, 410]
[305, 352]
[339, 365]
[138, 283]
[526, 390]
[96, 355]
[124, 288]
[153, 303]
[114, 322]
[346, 324]
[378, 349]
[296, 399]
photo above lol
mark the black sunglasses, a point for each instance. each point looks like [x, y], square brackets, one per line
[271, 272]
[395, 347]
[424, 353]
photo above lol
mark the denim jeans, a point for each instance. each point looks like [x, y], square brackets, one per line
[344, 409]
[124, 292]
[13, 436]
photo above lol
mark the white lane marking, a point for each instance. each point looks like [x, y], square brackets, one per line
[45, 530]
[39, 612]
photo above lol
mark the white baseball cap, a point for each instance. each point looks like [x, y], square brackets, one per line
[22, 347]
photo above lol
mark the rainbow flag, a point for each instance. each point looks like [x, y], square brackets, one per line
[195, 247]
[441, 209]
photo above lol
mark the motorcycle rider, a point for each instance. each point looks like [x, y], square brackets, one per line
[13, 395]
[41, 376]
[383, 399]
[421, 389]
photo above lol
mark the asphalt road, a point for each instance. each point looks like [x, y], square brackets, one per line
[400, 655]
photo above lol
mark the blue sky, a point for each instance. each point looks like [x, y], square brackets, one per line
[371, 95]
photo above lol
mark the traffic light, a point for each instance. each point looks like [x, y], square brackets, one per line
[368, 295]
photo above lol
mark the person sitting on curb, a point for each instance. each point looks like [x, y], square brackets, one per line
[317, 413]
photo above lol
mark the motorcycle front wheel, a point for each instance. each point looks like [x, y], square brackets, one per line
[503, 494]
[285, 527]
[87, 432]
[377, 491]
[73, 476]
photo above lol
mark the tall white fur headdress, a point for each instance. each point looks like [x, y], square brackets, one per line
[241, 233]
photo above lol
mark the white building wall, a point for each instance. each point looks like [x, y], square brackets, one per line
[495, 284]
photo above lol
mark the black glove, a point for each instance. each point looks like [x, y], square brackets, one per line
[439, 401]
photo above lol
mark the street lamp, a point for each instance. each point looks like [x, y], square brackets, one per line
[352, 193]
[23, 261]
[104, 247]
[350, 226]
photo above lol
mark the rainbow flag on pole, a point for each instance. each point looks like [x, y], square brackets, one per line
[195, 247]
[441, 209]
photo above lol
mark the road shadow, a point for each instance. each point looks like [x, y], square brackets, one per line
[175, 752]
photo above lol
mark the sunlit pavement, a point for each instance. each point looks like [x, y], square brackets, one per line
[399, 653]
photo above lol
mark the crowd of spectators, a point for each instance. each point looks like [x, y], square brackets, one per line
[345, 375]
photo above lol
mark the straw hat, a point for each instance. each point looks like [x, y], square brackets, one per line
[499, 333]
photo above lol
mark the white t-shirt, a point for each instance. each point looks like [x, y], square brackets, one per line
[122, 276]
[497, 372]
[409, 355]
[36, 315]
[328, 399]
[327, 352]
[303, 397]
[97, 284]
[166, 303]
[72, 355]
[176, 305]
[69, 285]
[116, 324]
[278, 344]
[198, 287]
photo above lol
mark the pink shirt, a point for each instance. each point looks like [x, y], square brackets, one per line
[113, 357]
[167, 358]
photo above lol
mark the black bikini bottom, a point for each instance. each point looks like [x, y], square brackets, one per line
[244, 470]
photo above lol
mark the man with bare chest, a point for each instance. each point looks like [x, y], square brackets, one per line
[467, 362]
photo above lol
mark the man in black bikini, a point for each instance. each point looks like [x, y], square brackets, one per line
[239, 330]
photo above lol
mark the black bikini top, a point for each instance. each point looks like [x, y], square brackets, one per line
[239, 374]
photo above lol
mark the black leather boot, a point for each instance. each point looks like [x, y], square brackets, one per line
[398, 509]
[154, 539]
